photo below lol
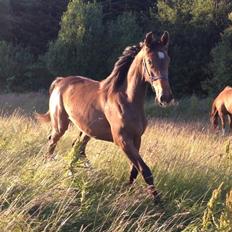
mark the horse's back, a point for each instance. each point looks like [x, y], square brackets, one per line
[64, 82]
[75, 88]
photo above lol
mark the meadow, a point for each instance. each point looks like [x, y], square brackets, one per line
[191, 163]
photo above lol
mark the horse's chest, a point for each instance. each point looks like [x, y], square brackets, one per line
[126, 116]
[130, 120]
[137, 124]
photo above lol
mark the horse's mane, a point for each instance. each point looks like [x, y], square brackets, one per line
[120, 70]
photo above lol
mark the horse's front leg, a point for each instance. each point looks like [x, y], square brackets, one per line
[134, 171]
[127, 145]
[133, 174]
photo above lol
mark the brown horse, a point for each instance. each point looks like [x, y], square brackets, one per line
[222, 106]
[113, 109]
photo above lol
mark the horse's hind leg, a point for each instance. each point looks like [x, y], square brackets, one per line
[59, 126]
[230, 121]
[222, 118]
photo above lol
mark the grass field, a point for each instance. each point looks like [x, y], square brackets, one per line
[192, 166]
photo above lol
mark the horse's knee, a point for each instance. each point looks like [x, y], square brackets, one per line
[54, 138]
[125, 144]
[58, 132]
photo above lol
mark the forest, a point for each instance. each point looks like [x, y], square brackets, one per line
[40, 40]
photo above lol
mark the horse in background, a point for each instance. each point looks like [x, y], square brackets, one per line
[113, 109]
[222, 107]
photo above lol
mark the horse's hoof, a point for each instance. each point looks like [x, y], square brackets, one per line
[156, 195]
[51, 158]
[128, 185]
[48, 157]
[87, 164]
[70, 173]
[83, 162]
[157, 198]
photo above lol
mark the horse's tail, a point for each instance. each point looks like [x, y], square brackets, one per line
[213, 110]
[43, 117]
[46, 117]
[214, 115]
[54, 83]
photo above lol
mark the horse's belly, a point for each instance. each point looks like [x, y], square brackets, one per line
[96, 127]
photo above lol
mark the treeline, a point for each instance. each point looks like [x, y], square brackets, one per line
[42, 39]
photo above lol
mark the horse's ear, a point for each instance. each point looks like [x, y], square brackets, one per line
[149, 39]
[165, 39]
[141, 44]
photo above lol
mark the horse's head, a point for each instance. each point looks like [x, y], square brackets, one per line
[155, 65]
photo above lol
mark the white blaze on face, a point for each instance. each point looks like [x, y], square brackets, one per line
[161, 55]
[158, 91]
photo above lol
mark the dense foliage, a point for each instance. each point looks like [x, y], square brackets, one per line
[222, 62]
[85, 38]
[195, 27]
[15, 63]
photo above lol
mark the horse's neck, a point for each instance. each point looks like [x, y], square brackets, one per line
[135, 84]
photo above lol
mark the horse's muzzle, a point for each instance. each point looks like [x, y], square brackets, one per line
[165, 99]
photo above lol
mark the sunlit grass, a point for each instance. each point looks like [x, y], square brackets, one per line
[187, 158]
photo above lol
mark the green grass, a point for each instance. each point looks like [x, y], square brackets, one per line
[189, 161]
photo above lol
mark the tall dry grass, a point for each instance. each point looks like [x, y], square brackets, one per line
[189, 161]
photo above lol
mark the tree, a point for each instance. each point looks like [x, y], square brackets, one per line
[31, 24]
[195, 27]
[5, 20]
[221, 66]
[79, 48]
[113, 8]
[15, 63]
[122, 32]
